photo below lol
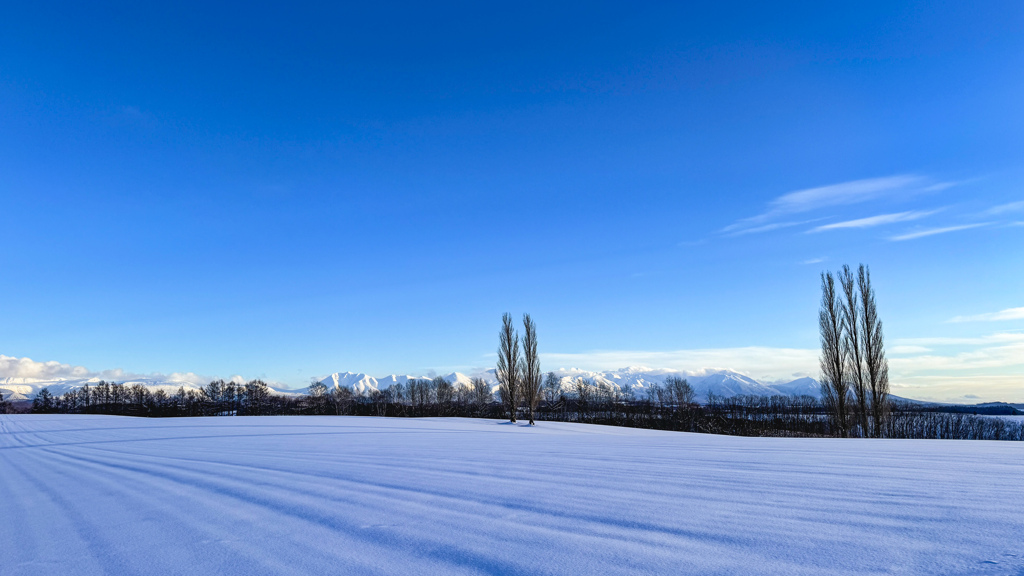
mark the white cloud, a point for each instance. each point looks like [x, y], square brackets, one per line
[909, 350]
[844, 193]
[934, 231]
[13, 367]
[1008, 314]
[814, 261]
[997, 338]
[988, 358]
[992, 352]
[871, 221]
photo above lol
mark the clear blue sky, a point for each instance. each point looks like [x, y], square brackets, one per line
[290, 190]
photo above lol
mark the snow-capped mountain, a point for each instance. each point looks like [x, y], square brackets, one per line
[799, 387]
[364, 385]
[704, 382]
[638, 379]
[27, 388]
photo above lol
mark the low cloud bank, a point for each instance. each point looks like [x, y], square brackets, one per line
[14, 367]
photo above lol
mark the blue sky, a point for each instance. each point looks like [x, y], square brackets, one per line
[285, 191]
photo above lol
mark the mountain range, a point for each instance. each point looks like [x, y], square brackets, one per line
[639, 379]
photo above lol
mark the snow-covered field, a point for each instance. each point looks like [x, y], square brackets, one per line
[349, 495]
[1016, 418]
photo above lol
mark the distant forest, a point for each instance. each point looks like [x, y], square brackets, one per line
[671, 406]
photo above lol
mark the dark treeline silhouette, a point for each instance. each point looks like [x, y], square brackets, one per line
[668, 406]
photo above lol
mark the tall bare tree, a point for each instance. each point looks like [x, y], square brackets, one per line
[584, 391]
[835, 387]
[552, 386]
[855, 347]
[530, 366]
[318, 398]
[481, 393]
[876, 365]
[508, 366]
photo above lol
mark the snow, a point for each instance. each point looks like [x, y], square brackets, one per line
[86, 494]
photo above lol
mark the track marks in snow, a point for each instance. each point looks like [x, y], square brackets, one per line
[447, 496]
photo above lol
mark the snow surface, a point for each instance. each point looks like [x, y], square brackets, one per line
[86, 494]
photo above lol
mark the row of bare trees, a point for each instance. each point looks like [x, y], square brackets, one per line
[854, 370]
[518, 372]
[668, 406]
[252, 398]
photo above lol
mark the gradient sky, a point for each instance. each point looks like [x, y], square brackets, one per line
[284, 191]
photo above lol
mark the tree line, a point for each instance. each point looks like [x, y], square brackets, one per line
[668, 406]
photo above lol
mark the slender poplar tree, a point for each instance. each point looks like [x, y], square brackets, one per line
[876, 365]
[834, 384]
[530, 366]
[508, 366]
[855, 347]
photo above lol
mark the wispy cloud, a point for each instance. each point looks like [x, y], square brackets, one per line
[909, 350]
[814, 261]
[967, 389]
[871, 221]
[990, 339]
[934, 231]
[842, 194]
[767, 228]
[986, 366]
[1008, 314]
[1006, 354]
[1004, 208]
